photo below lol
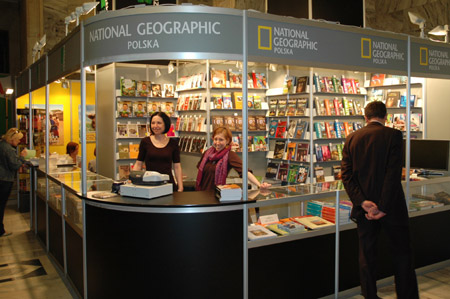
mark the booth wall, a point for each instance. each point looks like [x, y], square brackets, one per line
[438, 107]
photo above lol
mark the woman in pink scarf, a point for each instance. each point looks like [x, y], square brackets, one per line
[217, 161]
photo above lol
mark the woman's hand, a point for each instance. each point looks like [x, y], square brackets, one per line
[265, 185]
[23, 153]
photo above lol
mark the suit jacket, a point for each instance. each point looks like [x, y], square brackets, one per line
[372, 169]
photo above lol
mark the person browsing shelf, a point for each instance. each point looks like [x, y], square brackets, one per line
[159, 152]
[218, 160]
[9, 164]
[72, 150]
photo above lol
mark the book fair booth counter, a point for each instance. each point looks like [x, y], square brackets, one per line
[167, 241]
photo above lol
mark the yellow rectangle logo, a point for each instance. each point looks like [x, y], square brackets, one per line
[366, 48]
[423, 56]
[264, 38]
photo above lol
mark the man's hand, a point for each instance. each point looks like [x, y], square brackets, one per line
[367, 205]
[375, 214]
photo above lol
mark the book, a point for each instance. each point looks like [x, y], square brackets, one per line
[288, 85]
[235, 78]
[337, 172]
[336, 84]
[291, 226]
[291, 107]
[133, 131]
[279, 149]
[256, 102]
[293, 172]
[302, 174]
[140, 109]
[261, 123]
[292, 128]
[272, 169]
[230, 122]
[238, 122]
[290, 151]
[320, 109]
[259, 143]
[302, 104]
[302, 152]
[143, 88]
[142, 130]
[301, 130]
[258, 232]
[326, 154]
[273, 128]
[124, 108]
[250, 103]
[319, 174]
[261, 81]
[217, 101]
[218, 78]
[273, 107]
[127, 87]
[377, 79]
[167, 108]
[281, 129]
[318, 152]
[134, 150]
[313, 222]
[237, 100]
[302, 84]
[124, 172]
[122, 130]
[392, 99]
[252, 123]
[153, 107]
[227, 102]
[168, 91]
[217, 121]
[228, 192]
[156, 90]
[283, 170]
[416, 122]
[124, 151]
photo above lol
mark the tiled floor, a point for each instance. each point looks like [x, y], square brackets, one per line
[27, 273]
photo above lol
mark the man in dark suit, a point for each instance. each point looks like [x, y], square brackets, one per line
[371, 173]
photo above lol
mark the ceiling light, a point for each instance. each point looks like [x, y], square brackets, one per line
[418, 20]
[441, 30]
[273, 67]
[170, 67]
[157, 73]
[9, 91]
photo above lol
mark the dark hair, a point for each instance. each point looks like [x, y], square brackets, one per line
[375, 109]
[165, 119]
[71, 147]
[225, 131]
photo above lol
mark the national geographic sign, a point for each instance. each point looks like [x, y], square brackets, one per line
[428, 59]
[157, 35]
[314, 45]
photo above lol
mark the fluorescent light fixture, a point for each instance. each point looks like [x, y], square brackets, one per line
[239, 65]
[441, 30]
[89, 6]
[273, 67]
[43, 41]
[418, 20]
[9, 91]
[88, 69]
[157, 73]
[69, 19]
[170, 67]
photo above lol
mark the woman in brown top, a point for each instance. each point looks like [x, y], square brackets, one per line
[160, 152]
[217, 161]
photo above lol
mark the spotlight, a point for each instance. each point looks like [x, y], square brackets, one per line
[440, 31]
[157, 73]
[273, 67]
[418, 20]
[170, 67]
[9, 91]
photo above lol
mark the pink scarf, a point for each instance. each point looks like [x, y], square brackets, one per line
[221, 168]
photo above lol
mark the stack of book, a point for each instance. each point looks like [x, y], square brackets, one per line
[258, 232]
[228, 192]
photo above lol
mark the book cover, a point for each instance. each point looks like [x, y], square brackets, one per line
[273, 107]
[288, 85]
[392, 99]
[272, 169]
[291, 226]
[238, 122]
[122, 130]
[261, 80]
[281, 129]
[293, 172]
[279, 151]
[336, 84]
[319, 173]
[218, 78]
[302, 174]
[260, 123]
[142, 130]
[217, 121]
[318, 151]
[167, 108]
[124, 151]
[316, 82]
[217, 101]
[230, 122]
[290, 151]
[416, 122]
[227, 102]
[258, 232]
[301, 130]
[273, 128]
[250, 103]
[377, 79]
[127, 87]
[257, 102]
[283, 171]
[134, 150]
[313, 222]
[168, 91]
[281, 108]
[302, 152]
[143, 88]
[237, 100]
[153, 107]
[292, 128]
[124, 172]
[140, 109]
[328, 107]
[156, 90]
[133, 131]
[291, 107]
[259, 143]
[235, 78]
[319, 128]
[334, 152]
[302, 83]
[326, 154]
[337, 172]
[252, 123]
[124, 108]
[301, 107]
[320, 109]
[399, 122]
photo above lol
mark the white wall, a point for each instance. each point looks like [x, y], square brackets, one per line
[438, 109]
